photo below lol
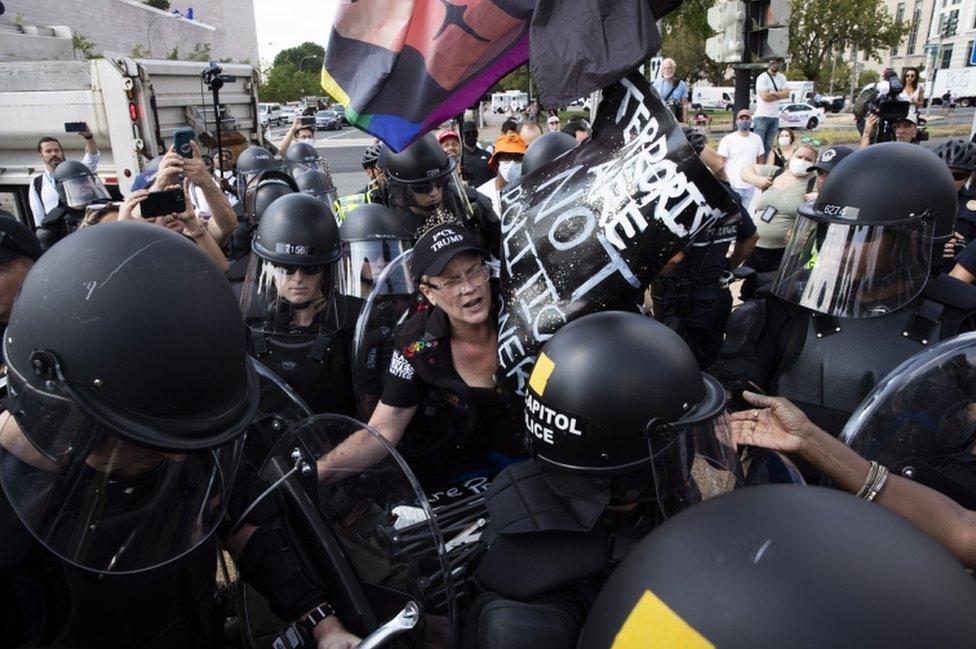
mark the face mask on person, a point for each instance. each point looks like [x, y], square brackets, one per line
[471, 138]
[307, 140]
[785, 140]
[799, 166]
[744, 124]
[510, 170]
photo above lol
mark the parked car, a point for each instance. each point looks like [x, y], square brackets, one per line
[327, 120]
[800, 116]
[830, 103]
[288, 114]
[269, 114]
[340, 111]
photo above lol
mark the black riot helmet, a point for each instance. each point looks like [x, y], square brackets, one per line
[266, 187]
[252, 161]
[617, 409]
[756, 568]
[866, 247]
[422, 179]
[372, 237]
[297, 229]
[302, 157]
[546, 148]
[295, 250]
[78, 186]
[318, 184]
[129, 447]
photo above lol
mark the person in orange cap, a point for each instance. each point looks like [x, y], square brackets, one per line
[506, 163]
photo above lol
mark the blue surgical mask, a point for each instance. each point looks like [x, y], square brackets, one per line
[744, 124]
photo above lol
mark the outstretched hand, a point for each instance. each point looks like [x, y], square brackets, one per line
[776, 424]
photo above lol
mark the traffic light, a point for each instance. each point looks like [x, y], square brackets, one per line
[769, 22]
[949, 23]
[727, 19]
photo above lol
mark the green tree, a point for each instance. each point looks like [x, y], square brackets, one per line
[287, 83]
[158, 4]
[866, 77]
[307, 56]
[201, 52]
[83, 45]
[139, 51]
[822, 29]
[685, 31]
[174, 54]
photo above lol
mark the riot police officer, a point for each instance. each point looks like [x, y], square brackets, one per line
[300, 327]
[859, 290]
[302, 156]
[78, 186]
[424, 189]
[260, 181]
[694, 298]
[959, 154]
[623, 427]
[374, 192]
[318, 184]
[119, 459]
[753, 568]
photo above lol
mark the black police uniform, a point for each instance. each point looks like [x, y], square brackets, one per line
[474, 166]
[966, 226]
[694, 298]
[479, 420]
[315, 360]
[548, 558]
[828, 365]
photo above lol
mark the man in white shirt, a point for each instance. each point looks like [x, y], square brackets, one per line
[739, 149]
[43, 192]
[770, 90]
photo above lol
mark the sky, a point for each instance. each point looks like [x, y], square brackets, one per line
[286, 23]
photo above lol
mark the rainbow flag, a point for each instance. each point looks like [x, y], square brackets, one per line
[402, 67]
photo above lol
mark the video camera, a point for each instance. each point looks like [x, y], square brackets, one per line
[888, 105]
[214, 76]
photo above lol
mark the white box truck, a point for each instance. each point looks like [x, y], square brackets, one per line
[959, 81]
[132, 106]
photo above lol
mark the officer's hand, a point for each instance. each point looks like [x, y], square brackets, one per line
[195, 169]
[128, 210]
[330, 634]
[775, 424]
[953, 244]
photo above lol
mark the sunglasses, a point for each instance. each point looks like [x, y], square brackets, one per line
[428, 186]
[812, 141]
[306, 270]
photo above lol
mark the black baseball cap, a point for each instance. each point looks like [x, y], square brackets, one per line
[17, 240]
[830, 157]
[435, 250]
[469, 126]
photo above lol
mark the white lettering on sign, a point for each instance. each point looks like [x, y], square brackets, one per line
[544, 422]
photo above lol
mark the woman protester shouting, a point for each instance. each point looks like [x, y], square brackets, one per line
[450, 349]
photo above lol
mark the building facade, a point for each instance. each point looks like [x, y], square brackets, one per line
[128, 26]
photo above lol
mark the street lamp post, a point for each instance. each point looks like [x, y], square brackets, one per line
[149, 33]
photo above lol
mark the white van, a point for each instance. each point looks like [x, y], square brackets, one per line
[270, 114]
[714, 97]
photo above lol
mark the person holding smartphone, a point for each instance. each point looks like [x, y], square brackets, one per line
[43, 191]
[774, 210]
[180, 217]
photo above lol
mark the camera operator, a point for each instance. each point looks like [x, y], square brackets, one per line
[884, 113]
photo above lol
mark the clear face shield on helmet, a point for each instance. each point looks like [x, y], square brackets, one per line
[363, 262]
[674, 465]
[296, 169]
[856, 271]
[920, 420]
[441, 195]
[80, 191]
[98, 499]
[318, 184]
[285, 298]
